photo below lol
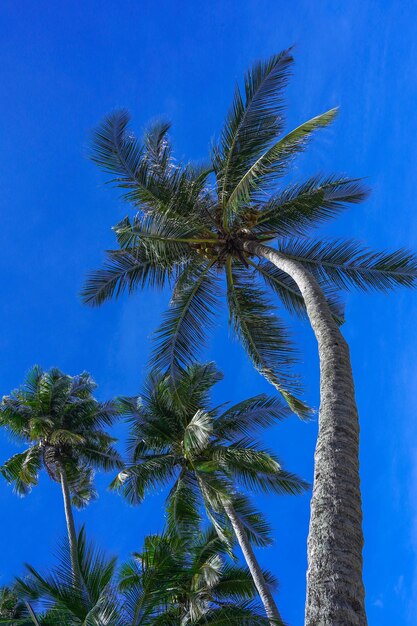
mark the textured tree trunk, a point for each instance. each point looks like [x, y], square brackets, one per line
[72, 534]
[335, 592]
[261, 585]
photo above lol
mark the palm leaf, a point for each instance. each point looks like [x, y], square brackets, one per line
[125, 270]
[247, 416]
[347, 264]
[300, 207]
[251, 124]
[183, 330]
[264, 337]
[275, 160]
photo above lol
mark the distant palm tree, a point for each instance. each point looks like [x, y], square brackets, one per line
[194, 224]
[177, 437]
[62, 423]
[13, 610]
[189, 581]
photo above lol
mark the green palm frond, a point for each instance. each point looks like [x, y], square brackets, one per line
[275, 160]
[252, 123]
[195, 384]
[264, 337]
[300, 207]
[347, 264]
[183, 506]
[158, 150]
[124, 270]
[250, 415]
[22, 470]
[182, 333]
[257, 469]
[134, 481]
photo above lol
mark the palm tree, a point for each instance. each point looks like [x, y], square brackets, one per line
[62, 424]
[194, 224]
[189, 581]
[13, 610]
[177, 437]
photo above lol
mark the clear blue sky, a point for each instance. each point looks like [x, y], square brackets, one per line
[64, 65]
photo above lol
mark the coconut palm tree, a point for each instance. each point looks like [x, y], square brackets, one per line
[62, 424]
[193, 580]
[232, 218]
[206, 454]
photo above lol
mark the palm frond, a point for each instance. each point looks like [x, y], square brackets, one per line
[264, 337]
[252, 123]
[22, 470]
[183, 504]
[198, 432]
[347, 264]
[250, 415]
[124, 270]
[257, 469]
[135, 480]
[182, 333]
[301, 207]
[275, 160]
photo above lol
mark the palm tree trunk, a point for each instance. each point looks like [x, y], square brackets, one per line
[261, 585]
[72, 534]
[335, 592]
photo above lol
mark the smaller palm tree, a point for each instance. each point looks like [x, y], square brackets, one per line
[189, 581]
[208, 454]
[62, 424]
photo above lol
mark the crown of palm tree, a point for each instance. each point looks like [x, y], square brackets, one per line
[209, 456]
[62, 423]
[191, 224]
[190, 581]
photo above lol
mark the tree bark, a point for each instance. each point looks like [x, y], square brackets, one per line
[72, 533]
[335, 591]
[261, 585]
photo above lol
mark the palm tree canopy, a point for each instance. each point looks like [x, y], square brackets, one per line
[62, 425]
[189, 581]
[208, 455]
[190, 224]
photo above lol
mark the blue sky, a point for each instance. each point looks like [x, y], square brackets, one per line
[63, 66]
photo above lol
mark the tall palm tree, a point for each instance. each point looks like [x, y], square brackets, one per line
[62, 424]
[189, 581]
[194, 224]
[177, 437]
